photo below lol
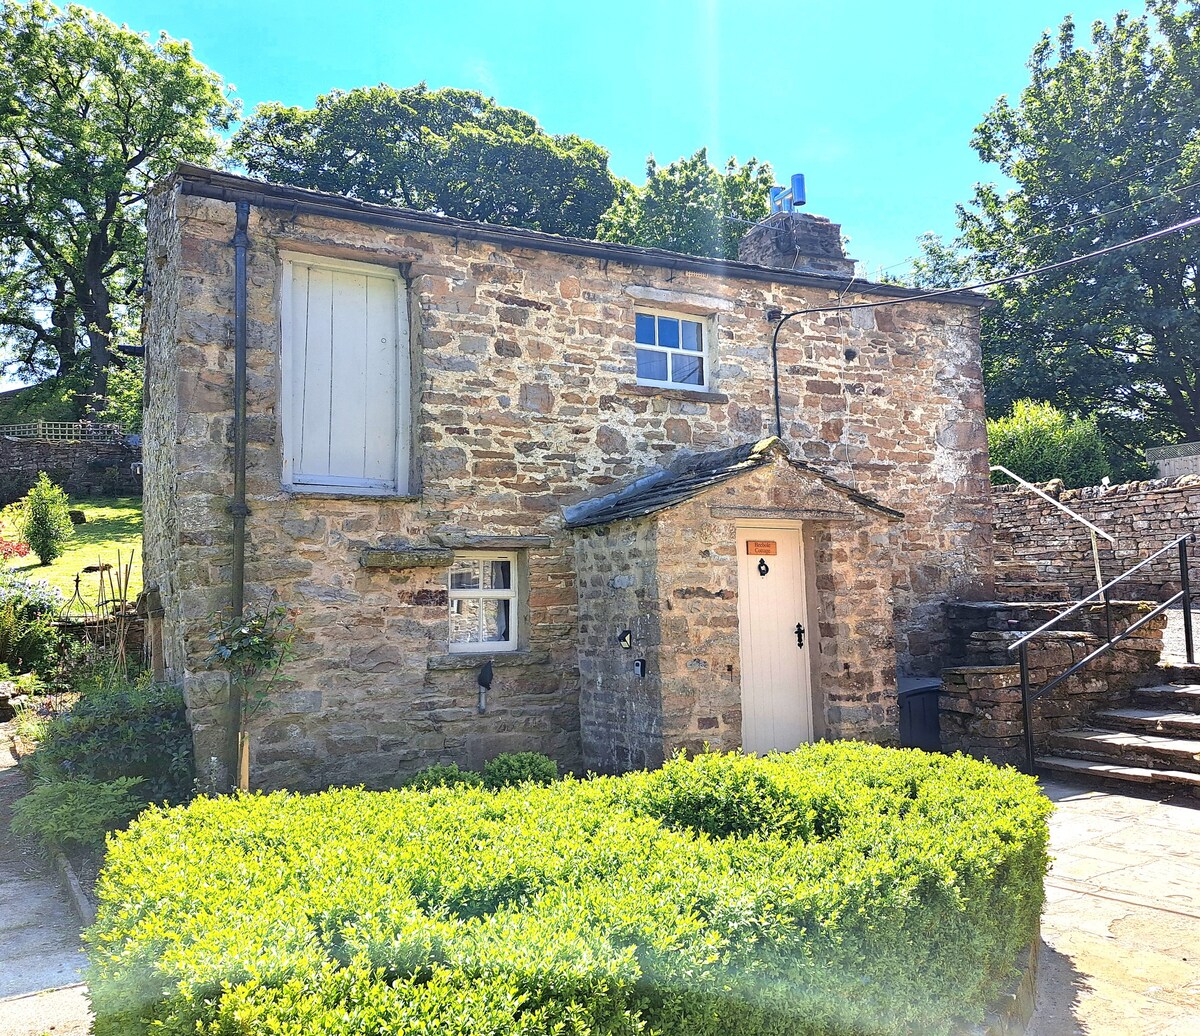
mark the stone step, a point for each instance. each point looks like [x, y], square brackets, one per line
[1117, 772]
[1169, 696]
[1152, 751]
[1033, 590]
[1180, 672]
[1150, 721]
[1016, 570]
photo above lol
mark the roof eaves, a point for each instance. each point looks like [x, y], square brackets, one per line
[203, 182]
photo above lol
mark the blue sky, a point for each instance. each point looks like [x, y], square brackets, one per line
[873, 101]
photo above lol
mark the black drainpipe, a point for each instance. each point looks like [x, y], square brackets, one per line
[237, 505]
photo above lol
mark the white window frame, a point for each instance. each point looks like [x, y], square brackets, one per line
[707, 334]
[397, 485]
[511, 594]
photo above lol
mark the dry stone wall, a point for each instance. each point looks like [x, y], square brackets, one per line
[524, 400]
[83, 469]
[1141, 516]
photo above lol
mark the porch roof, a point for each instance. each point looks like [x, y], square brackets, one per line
[691, 475]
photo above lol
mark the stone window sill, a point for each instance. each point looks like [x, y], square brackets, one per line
[475, 659]
[688, 395]
[349, 494]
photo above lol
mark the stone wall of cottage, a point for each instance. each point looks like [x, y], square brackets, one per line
[524, 400]
[621, 718]
[1142, 517]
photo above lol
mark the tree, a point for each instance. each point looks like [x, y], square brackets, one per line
[1039, 442]
[90, 115]
[691, 207]
[1103, 146]
[450, 151]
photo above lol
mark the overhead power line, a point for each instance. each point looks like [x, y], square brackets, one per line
[1048, 268]
[1083, 221]
[942, 292]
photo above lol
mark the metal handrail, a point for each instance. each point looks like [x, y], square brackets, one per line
[1049, 499]
[1022, 645]
[1094, 530]
[1103, 590]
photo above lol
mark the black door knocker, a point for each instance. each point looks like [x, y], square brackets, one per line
[763, 567]
[799, 635]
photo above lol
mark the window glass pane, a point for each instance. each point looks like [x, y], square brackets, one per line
[687, 370]
[464, 622]
[497, 575]
[645, 329]
[651, 366]
[693, 336]
[464, 574]
[495, 620]
[668, 332]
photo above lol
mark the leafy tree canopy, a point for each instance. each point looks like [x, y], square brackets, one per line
[1103, 146]
[691, 207]
[450, 151]
[90, 115]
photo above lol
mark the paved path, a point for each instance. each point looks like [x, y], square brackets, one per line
[40, 959]
[1121, 928]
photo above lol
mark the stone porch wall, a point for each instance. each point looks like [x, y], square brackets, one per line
[673, 580]
[1142, 516]
[524, 400]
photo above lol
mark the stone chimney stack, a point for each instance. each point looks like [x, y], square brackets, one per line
[797, 241]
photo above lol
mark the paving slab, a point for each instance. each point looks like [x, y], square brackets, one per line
[1121, 927]
[41, 962]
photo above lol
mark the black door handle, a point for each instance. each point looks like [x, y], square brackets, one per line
[799, 635]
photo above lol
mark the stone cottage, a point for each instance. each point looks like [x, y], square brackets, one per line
[529, 492]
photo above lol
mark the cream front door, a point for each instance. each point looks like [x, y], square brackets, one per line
[776, 691]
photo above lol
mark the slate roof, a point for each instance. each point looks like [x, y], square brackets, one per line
[692, 475]
[212, 183]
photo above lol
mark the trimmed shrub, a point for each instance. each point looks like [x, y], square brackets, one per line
[75, 816]
[1039, 442]
[44, 519]
[443, 775]
[512, 768]
[121, 728]
[851, 889]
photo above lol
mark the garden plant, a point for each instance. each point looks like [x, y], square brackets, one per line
[43, 519]
[844, 888]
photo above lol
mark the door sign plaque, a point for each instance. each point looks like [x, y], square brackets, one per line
[759, 548]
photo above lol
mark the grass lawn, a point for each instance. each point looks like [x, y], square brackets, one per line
[113, 526]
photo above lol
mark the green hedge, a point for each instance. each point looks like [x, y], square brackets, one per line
[840, 889]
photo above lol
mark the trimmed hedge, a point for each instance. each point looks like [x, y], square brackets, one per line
[844, 888]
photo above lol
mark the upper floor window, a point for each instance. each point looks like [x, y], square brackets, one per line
[345, 377]
[672, 350]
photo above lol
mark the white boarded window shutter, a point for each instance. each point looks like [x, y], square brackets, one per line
[345, 360]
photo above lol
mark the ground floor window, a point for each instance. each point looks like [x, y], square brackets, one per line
[483, 601]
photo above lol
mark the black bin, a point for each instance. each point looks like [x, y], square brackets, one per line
[919, 713]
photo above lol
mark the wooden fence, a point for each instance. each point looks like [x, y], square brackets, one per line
[65, 431]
